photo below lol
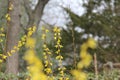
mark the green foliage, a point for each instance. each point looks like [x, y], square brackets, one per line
[101, 23]
[20, 76]
[110, 75]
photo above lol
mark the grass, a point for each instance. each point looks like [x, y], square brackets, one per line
[109, 75]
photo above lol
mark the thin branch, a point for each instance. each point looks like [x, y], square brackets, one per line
[27, 7]
[39, 11]
[95, 66]
[29, 11]
[35, 15]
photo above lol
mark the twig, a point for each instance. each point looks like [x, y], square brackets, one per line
[95, 66]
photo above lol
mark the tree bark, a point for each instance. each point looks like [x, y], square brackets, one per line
[13, 37]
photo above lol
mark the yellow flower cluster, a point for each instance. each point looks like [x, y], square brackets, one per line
[31, 30]
[58, 46]
[47, 54]
[22, 42]
[1, 34]
[48, 62]
[7, 16]
[35, 65]
[86, 59]
[45, 31]
[10, 6]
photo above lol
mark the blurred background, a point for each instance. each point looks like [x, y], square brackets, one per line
[78, 20]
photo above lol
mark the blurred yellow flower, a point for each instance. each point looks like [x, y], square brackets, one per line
[87, 60]
[79, 75]
[91, 43]
[10, 7]
[83, 54]
[30, 42]
[7, 16]
[35, 65]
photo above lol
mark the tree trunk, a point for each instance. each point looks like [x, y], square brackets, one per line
[13, 37]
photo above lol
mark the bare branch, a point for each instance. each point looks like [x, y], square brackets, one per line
[27, 6]
[36, 14]
[29, 11]
[39, 11]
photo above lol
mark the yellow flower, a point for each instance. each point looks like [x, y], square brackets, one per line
[24, 38]
[44, 46]
[4, 56]
[46, 63]
[9, 54]
[80, 65]
[1, 61]
[60, 78]
[91, 43]
[56, 29]
[66, 78]
[2, 35]
[30, 42]
[8, 17]
[55, 38]
[12, 51]
[1, 40]
[2, 29]
[46, 30]
[79, 75]
[29, 33]
[51, 64]
[84, 47]
[10, 7]
[48, 70]
[30, 54]
[43, 36]
[45, 57]
[87, 60]
[34, 28]
[83, 54]
[19, 43]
